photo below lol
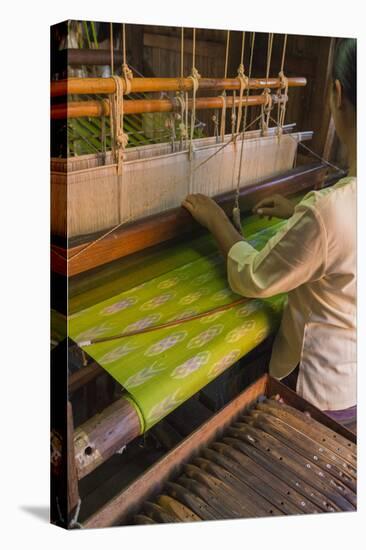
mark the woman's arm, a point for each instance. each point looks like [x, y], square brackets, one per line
[209, 214]
[295, 255]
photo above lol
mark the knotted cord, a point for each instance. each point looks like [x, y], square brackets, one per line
[244, 83]
[194, 76]
[267, 106]
[282, 92]
[180, 95]
[122, 86]
[236, 209]
[184, 110]
[223, 95]
[119, 138]
[126, 71]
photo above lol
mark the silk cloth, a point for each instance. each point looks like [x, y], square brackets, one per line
[163, 368]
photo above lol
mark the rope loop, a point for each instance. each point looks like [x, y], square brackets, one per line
[266, 110]
[244, 85]
[128, 76]
[181, 105]
[223, 115]
[195, 77]
[119, 137]
[282, 99]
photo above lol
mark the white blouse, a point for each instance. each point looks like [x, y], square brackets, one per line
[313, 259]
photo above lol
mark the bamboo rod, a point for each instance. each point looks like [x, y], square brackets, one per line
[94, 108]
[108, 86]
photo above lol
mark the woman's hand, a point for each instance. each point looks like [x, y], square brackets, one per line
[204, 210]
[276, 206]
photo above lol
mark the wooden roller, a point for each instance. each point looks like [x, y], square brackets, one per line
[104, 434]
[95, 108]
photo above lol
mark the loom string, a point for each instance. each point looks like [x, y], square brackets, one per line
[267, 107]
[111, 47]
[180, 95]
[243, 83]
[194, 76]
[223, 95]
[236, 209]
[316, 155]
[282, 96]
[125, 222]
[114, 228]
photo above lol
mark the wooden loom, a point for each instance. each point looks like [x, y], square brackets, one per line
[106, 211]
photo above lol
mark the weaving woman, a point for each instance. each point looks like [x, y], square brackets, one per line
[313, 259]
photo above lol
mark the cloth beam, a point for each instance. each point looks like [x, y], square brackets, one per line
[163, 368]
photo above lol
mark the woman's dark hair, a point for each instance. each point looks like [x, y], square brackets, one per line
[344, 68]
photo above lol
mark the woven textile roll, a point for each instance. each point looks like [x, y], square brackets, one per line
[162, 368]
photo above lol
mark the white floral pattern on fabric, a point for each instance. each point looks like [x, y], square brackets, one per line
[136, 288]
[144, 322]
[166, 343]
[168, 283]
[165, 407]
[205, 337]
[157, 301]
[191, 365]
[193, 297]
[239, 332]
[260, 335]
[222, 294]
[117, 353]
[204, 278]
[212, 317]
[94, 332]
[224, 363]
[157, 368]
[119, 306]
[143, 375]
[248, 308]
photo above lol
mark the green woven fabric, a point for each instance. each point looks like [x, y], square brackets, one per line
[163, 368]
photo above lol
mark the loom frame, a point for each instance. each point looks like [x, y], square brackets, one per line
[119, 509]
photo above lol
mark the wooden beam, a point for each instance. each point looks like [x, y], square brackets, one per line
[120, 509]
[128, 501]
[167, 225]
[102, 86]
[95, 108]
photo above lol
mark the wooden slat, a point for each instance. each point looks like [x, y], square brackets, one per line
[127, 502]
[294, 400]
[151, 483]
